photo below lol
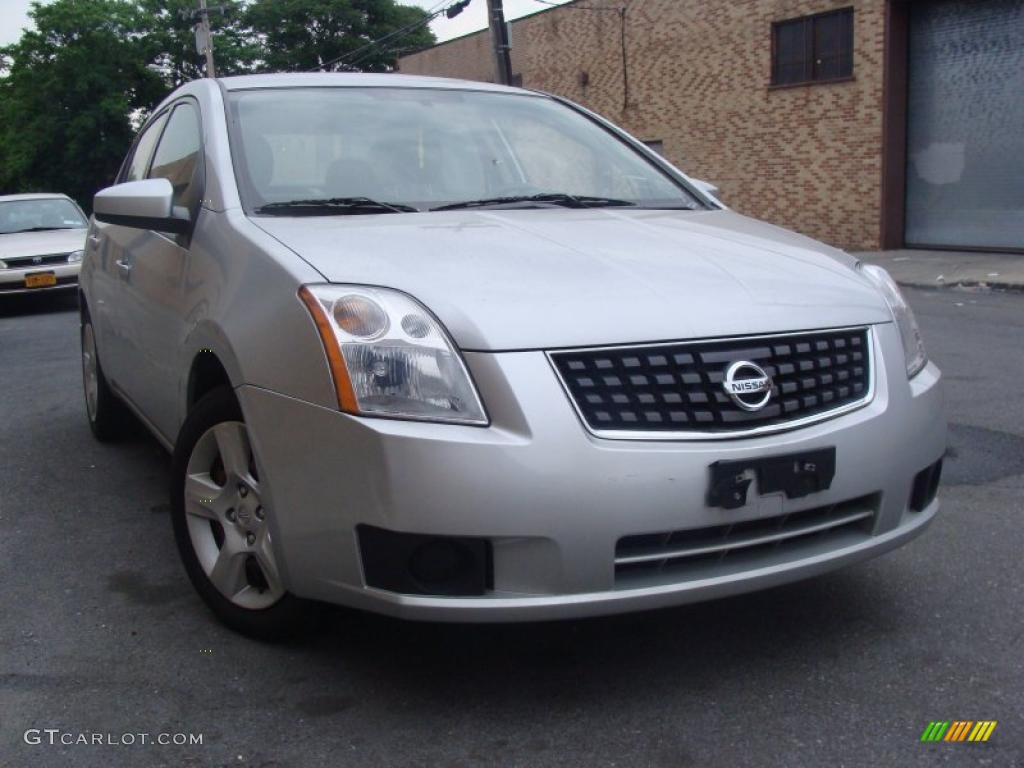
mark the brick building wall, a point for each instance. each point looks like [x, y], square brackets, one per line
[805, 157]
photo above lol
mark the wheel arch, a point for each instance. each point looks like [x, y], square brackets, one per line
[211, 364]
[206, 374]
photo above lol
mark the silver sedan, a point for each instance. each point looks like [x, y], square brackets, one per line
[448, 350]
[41, 241]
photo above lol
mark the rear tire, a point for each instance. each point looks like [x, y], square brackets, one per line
[107, 415]
[221, 527]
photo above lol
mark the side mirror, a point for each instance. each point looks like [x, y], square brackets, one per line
[147, 204]
[706, 187]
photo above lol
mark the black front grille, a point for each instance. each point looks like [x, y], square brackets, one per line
[27, 262]
[679, 387]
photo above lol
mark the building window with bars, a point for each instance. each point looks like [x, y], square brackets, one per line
[813, 49]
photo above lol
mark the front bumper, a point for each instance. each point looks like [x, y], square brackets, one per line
[13, 280]
[554, 501]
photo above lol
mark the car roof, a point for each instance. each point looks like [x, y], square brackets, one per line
[34, 196]
[358, 79]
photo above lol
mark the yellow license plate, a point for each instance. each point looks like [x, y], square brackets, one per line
[40, 279]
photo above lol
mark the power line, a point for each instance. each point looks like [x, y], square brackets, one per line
[451, 11]
[363, 51]
[432, 13]
[571, 6]
[341, 59]
[397, 37]
[384, 50]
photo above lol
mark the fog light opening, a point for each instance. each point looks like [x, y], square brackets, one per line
[440, 563]
[925, 487]
[424, 564]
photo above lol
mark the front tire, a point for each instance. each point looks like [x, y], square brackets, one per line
[107, 415]
[221, 526]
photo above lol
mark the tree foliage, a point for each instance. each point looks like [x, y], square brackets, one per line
[306, 34]
[172, 44]
[70, 86]
[74, 88]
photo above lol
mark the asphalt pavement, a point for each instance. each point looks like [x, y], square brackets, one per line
[102, 637]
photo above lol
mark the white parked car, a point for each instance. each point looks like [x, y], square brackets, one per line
[42, 237]
[457, 351]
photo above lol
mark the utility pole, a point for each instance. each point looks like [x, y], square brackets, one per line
[207, 37]
[499, 37]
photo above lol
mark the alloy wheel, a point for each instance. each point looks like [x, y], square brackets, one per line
[90, 376]
[226, 520]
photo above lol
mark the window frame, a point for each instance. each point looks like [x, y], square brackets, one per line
[163, 114]
[199, 173]
[810, 21]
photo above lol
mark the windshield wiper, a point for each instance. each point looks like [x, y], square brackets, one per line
[39, 229]
[332, 206]
[554, 198]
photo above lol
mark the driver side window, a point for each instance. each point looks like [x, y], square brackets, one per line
[177, 157]
[136, 170]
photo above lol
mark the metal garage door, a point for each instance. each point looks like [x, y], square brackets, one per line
[965, 124]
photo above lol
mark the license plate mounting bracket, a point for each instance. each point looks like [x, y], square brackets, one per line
[794, 474]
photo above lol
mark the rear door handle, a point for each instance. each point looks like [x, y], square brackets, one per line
[124, 265]
[95, 239]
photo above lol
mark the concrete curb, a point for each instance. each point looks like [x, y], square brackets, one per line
[963, 286]
[937, 270]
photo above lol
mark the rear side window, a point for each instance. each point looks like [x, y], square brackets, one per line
[144, 149]
[177, 154]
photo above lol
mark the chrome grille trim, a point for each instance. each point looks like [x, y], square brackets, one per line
[742, 543]
[734, 547]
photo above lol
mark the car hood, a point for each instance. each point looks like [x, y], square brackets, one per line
[544, 278]
[41, 243]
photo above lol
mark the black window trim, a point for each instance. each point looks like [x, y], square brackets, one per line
[811, 17]
[200, 161]
[127, 164]
[170, 113]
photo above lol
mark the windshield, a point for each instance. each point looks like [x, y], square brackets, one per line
[427, 148]
[39, 214]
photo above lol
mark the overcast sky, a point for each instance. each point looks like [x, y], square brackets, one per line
[14, 16]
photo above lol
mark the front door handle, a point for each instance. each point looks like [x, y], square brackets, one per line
[95, 239]
[124, 265]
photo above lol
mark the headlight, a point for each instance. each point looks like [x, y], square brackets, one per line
[390, 357]
[3, 264]
[75, 257]
[910, 334]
